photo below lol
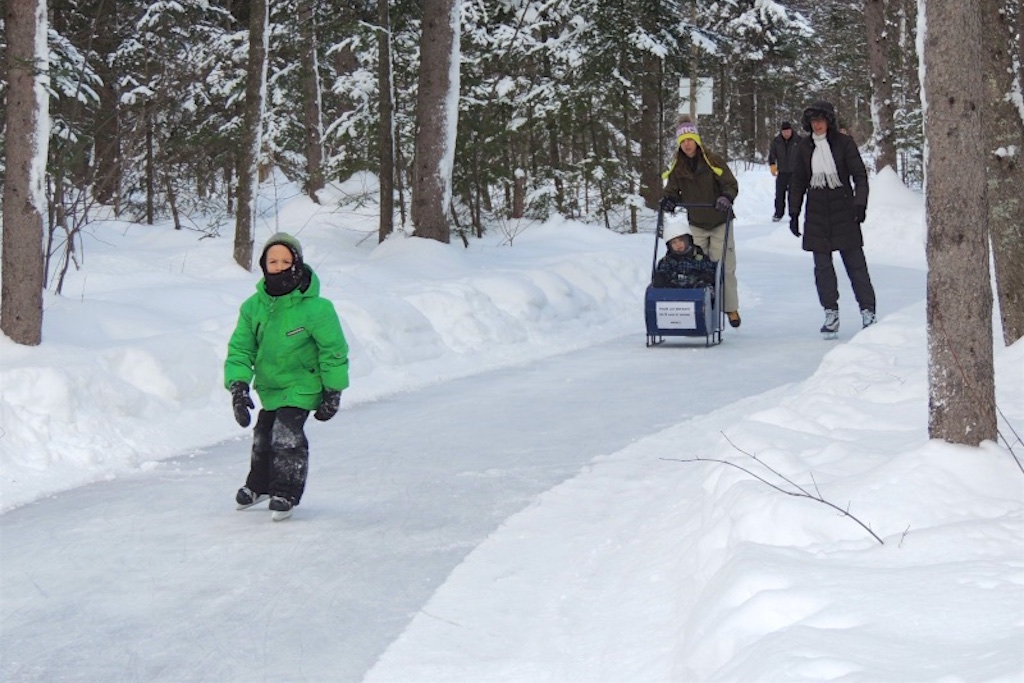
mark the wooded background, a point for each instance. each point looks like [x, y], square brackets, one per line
[565, 107]
[484, 111]
[476, 112]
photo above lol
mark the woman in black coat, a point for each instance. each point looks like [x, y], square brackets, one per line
[828, 169]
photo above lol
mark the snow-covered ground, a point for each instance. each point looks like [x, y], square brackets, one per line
[504, 497]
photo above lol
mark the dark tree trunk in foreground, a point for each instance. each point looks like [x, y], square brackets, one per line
[27, 133]
[961, 405]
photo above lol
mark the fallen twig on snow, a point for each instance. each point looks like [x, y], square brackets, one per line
[799, 492]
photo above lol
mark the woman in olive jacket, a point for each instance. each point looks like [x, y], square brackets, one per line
[829, 171]
[288, 338]
[699, 176]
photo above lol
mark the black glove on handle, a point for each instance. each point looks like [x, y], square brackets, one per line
[794, 225]
[723, 204]
[668, 205]
[329, 404]
[241, 402]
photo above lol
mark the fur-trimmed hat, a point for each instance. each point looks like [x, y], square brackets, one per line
[820, 109]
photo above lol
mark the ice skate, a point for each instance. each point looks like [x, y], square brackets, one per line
[281, 508]
[246, 497]
[830, 330]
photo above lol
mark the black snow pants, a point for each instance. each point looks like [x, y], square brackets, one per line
[280, 454]
[857, 270]
[782, 182]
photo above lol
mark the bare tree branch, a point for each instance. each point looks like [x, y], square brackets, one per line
[799, 492]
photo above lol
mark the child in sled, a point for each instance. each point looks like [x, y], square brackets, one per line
[685, 265]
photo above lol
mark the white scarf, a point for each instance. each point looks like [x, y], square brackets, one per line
[823, 166]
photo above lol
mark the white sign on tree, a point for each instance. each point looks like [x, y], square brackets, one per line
[704, 99]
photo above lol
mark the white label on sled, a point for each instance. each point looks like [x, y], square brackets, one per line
[676, 315]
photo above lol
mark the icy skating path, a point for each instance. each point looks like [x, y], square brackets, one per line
[157, 578]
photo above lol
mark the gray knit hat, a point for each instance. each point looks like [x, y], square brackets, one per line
[283, 239]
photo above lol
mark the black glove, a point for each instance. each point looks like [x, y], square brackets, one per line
[241, 402]
[859, 213]
[329, 404]
[668, 204]
[723, 204]
[794, 225]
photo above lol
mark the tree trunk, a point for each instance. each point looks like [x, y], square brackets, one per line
[746, 102]
[518, 194]
[961, 405]
[150, 161]
[387, 123]
[436, 118]
[649, 135]
[555, 162]
[694, 62]
[400, 176]
[252, 129]
[1004, 143]
[172, 200]
[311, 112]
[27, 134]
[107, 130]
[882, 105]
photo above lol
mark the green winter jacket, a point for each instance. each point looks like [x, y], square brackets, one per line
[293, 344]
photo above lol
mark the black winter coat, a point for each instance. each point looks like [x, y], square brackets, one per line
[829, 223]
[782, 152]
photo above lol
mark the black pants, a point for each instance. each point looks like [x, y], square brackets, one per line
[856, 269]
[781, 192]
[280, 454]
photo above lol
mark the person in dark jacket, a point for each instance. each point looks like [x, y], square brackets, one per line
[829, 171]
[684, 264]
[289, 340]
[698, 176]
[780, 162]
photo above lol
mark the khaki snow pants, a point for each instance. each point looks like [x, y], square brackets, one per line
[712, 241]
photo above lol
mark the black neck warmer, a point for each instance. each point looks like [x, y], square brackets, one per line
[287, 281]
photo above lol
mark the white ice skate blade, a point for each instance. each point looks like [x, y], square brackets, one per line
[829, 336]
[280, 515]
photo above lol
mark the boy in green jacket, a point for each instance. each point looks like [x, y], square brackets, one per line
[288, 338]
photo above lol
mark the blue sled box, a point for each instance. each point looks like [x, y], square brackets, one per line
[672, 312]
